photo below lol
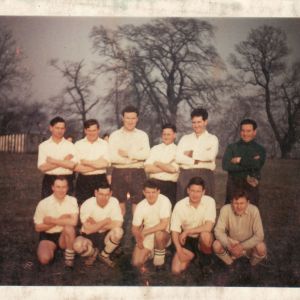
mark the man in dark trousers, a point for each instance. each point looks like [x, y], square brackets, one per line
[243, 161]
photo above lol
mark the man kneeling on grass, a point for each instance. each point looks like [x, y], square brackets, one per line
[150, 226]
[102, 221]
[55, 218]
[192, 222]
[239, 231]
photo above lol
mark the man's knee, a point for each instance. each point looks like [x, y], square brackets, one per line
[160, 236]
[261, 249]
[45, 258]
[117, 233]
[217, 247]
[69, 230]
[79, 245]
[206, 240]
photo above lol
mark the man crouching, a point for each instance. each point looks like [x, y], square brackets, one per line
[150, 226]
[55, 219]
[239, 231]
[102, 221]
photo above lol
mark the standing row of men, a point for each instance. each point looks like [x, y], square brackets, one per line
[129, 152]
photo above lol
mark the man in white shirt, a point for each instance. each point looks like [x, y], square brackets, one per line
[55, 219]
[192, 223]
[93, 158]
[56, 156]
[150, 226]
[129, 148]
[196, 155]
[102, 221]
[161, 165]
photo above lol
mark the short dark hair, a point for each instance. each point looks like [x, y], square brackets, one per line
[90, 122]
[151, 184]
[56, 120]
[197, 181]
[249, 122]
[130, 109]
[240, 193]
[60, 177]
[106, 134]
[199, 112]
[169, 126]
[103, 185]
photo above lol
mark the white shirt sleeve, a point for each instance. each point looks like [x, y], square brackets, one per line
[183, 146]
[207, 150]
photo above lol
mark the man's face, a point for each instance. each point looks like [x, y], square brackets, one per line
[198, 125]
[92, 133]
[195, 193]
[151, 194]
[247, 133]
[60, 188]
[58, 130]
[168, 136]
[130, 120]
[102, 196]
[240, 205]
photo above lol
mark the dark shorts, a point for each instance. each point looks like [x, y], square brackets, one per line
[234, 183]
[186, 175]
[128, 181]
[86, 185]
[53, 237]
[48, 182]
[96, 238]
[192, 244]
[168, 188]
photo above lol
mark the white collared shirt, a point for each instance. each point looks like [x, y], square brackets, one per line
[135, 142]
[165, 154]
[151, 215]
[93, 151]
[90, 208]
[204, 147]
[58, 151]
[51, 207]
[186, 216]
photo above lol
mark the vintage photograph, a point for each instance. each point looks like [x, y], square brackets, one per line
[160, 152]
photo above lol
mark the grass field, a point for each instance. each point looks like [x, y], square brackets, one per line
[20, 184]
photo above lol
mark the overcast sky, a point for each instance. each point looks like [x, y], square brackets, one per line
[43, 38]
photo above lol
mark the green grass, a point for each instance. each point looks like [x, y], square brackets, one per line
[20, 184]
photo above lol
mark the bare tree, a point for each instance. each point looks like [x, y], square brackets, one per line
[260, 62]
[77, 97]
[163, 63]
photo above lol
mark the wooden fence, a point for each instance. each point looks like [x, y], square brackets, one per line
[20, 143]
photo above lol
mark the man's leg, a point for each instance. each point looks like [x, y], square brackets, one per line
[140, 256]
[84, 247]
[258, 254]
[66, 241]
[205, 247]
[179, 265]
[111, 241]
[161, 239]
[45, 251]
[221, 252]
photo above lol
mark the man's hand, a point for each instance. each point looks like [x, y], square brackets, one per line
[182, 238]
[139, 240]
[50, 160]
[48, 220]
[188, 153]
[236, 250]
[123, 153]
[91, 220]
[68, 157]
[236, 160]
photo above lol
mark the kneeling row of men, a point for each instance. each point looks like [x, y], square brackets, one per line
[190, 226]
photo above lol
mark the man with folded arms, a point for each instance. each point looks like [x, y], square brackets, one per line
[102, 221]
[161, 165]
[129, 148]
[55, 219]
[239, 231]
[150, 226]
[196, 155]
[56, 156]
[93, 158]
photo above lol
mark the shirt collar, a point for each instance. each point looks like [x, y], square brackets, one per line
[96, 141]
[128, 132]
[63, 140]
[203, 134]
